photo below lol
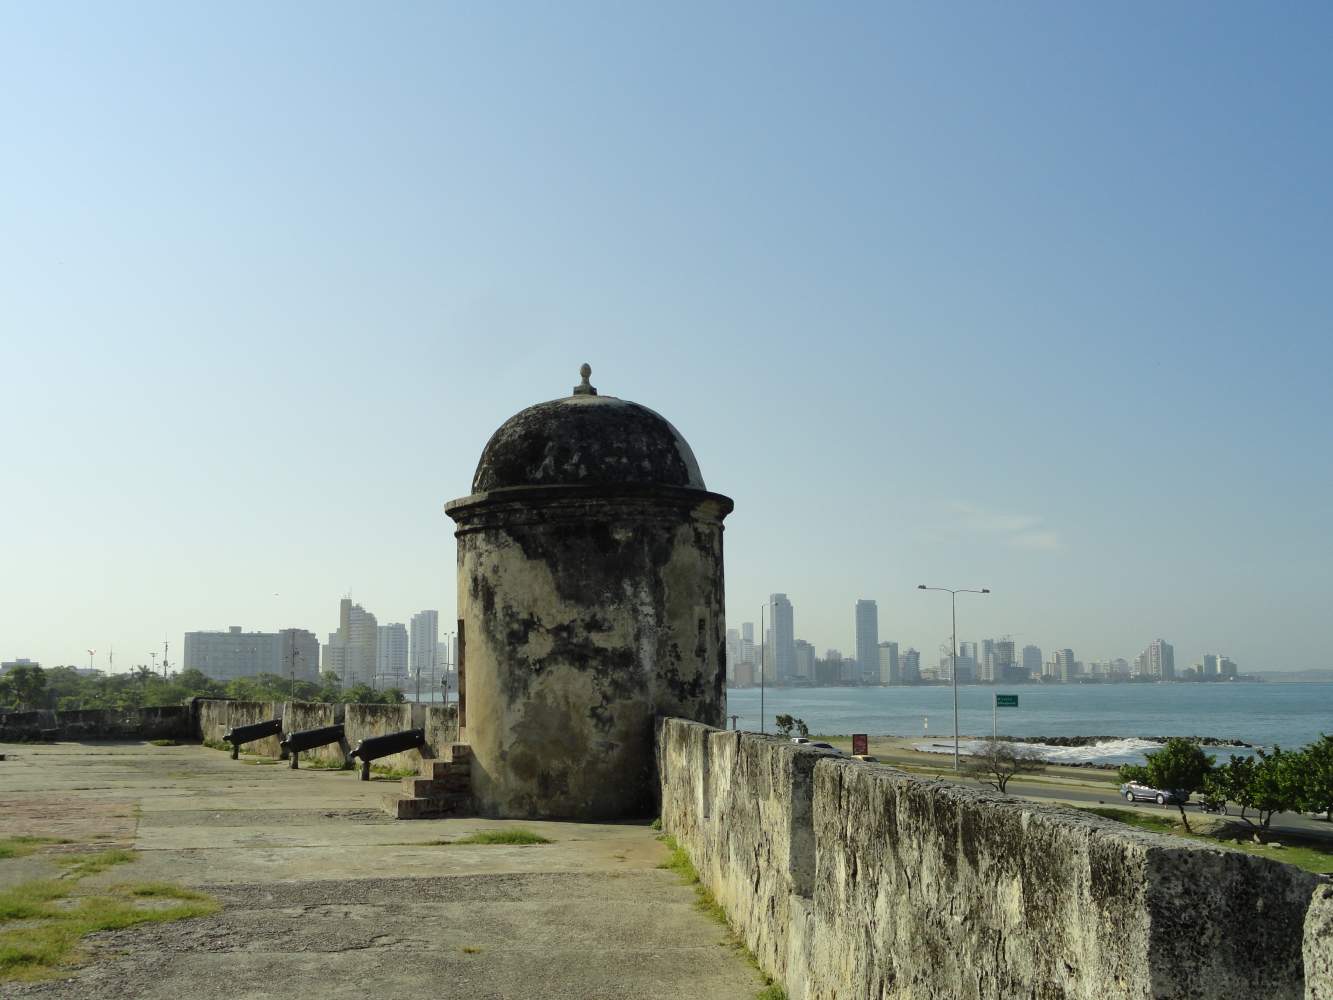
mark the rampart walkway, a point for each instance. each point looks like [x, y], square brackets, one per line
[326, 896]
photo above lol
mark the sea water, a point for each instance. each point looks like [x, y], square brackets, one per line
[1264, 715]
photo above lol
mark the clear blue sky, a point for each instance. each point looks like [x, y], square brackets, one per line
[1028, 296]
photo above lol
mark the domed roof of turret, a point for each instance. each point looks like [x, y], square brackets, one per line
[583, 440]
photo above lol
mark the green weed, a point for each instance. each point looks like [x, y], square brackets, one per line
[678, 861]
[21, 847]
[51, 935]
[82, 865]
[164, 743]
[395, 773]
[515, 836]
[320, 764]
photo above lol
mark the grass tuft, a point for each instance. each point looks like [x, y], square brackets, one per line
[82, 865]
[21, 847]
[393, 773]
[515, 836]
[164, 743]
[51, 935]
[678, 861]
[320, 764]
[27, 900]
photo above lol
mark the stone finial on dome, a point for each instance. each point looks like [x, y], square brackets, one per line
[585, 387]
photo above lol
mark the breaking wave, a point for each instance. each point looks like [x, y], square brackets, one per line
[1113, 752]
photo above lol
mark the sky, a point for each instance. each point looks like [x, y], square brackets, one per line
[1033, 297]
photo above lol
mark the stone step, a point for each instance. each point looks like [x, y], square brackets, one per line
[438, 767]
[445, 784]
[414, 807]
[456, 752]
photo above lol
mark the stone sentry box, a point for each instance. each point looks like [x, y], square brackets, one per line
[590, 603]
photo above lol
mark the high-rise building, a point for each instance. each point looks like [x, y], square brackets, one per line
[351, 651]
[1032, 662]
[733, 653]
[1227, 668]
[391, 647]
[1161, 660]
[1064, 665]
[867, 640]
[986, 659]
[1209, 666]
[909, 665]
[889, 671]
[805, 662]
[423, 642]
[292, 653]
[747, 632]
[1003, 662]
[781, 640]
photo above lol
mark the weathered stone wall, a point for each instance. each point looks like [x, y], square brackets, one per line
[1318, 948]
[441, 725]
[585, 618]
[216, 716]
[361, 721]
[300, 715]
[167, 722]
[854, 881]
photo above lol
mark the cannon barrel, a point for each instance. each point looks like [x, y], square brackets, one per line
[237, 735]
[307, 739]
[374, 747]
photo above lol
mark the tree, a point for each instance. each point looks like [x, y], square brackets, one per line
[788, 723]
[997, 761]
[1180, 766]
[1316, 774]
[23, 687]
[1273, 785]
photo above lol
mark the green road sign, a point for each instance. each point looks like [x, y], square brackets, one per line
[1006, 701]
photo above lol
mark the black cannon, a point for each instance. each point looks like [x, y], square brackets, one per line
[374, 747]
[307, 739]
[237, 735]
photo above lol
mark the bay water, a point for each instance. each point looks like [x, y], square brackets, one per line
[1264, 715]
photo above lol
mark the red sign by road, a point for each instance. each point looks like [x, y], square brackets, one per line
[860, 743]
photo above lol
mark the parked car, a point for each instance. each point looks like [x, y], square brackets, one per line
[1134, 792]
[865, 758]
[799, 739]
[827, 746]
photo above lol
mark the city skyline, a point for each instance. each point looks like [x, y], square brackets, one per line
[1060, 310]
[989, 660]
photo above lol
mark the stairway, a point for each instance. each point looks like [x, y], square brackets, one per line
[444, 788]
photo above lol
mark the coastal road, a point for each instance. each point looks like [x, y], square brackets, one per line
[1291, 822]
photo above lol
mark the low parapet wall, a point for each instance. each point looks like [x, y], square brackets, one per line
[166, 722]
[440, 722]
[848, 880]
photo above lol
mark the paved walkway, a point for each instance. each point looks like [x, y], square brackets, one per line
[324, 896]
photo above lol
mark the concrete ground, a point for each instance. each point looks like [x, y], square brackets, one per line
[324, 895]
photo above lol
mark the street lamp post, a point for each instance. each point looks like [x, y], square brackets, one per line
[953, 663]
[762, 643]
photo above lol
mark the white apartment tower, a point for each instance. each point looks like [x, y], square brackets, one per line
[391, 656]
[888, 664]
[351, 651]
[423, 638]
